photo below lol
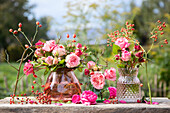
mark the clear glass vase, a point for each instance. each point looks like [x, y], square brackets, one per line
[62, 85]
[128, 85]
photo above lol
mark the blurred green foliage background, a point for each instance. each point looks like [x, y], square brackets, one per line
[91, 21]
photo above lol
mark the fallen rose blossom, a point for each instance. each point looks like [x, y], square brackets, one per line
[122, 101]
[76, 99]
[107, 101]
[58, 104]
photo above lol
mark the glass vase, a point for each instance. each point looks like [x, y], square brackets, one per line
[62, 85]
[128, 85]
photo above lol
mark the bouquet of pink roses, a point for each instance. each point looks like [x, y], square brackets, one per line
[51, 55]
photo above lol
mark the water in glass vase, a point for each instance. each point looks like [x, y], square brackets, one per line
[128, 92]
[62, 85]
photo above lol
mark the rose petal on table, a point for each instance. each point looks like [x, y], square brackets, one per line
[156, 103]
[58, 104]
[122, 101]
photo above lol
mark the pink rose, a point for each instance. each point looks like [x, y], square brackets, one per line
[38, 53]
[76, 99]
[110, 74]
[49, 60]
[117, 57]
[98, 80]
[28, 69]
[39, 44]
[91, 64]
[126, 55]
[78, 52]
[55, 61]
[88, 97]
[122, 43]
[79, 45]
[112, 91]
[49, 45]
[86, 72]
[72, 60]
[59, 50]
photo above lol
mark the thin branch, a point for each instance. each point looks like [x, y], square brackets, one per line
[35, 34]
[59, 40]
[7, 60]
[28, 55]
[26, 37]
[19, 41]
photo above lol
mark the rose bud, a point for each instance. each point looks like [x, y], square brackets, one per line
[78, 52]
[137, 47]
[139, 54]
[117, 57]
[79, 45]
[86, 72]
[85, 48]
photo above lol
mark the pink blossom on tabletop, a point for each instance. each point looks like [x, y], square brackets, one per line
[122, 101]
[79, 45]
[112, 91]
[49, 45]
[72, 60]
[107, 101]
[49, 60]
[122, 43]
[98, 80]
[88, 97]
[28, 68]
[110, 74]
[76, 99]
[91, 64]
[126, 56]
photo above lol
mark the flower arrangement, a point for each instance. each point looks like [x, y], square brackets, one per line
[51, 56]
[128, 52]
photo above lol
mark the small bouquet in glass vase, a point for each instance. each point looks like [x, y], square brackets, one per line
[129, 56]
[98, 75]
[60, 61]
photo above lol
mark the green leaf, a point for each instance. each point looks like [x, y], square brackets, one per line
[46, 71]
[54, 68]
[116, 49]
[121, 66]
[80, 69]
[61, 62]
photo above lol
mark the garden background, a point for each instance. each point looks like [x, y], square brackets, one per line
[91, 20]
